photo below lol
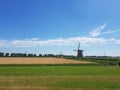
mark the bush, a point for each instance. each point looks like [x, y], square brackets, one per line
[118, 63]
[112, 63]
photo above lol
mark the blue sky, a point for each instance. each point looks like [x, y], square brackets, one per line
[57, 26]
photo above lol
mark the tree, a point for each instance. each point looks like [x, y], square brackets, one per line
[30, 55]
[34, 55]
[12, 55]
[1, 54]
[40, 55]
[45, 55]
[118, 63]
[6, 54]
[51, 55]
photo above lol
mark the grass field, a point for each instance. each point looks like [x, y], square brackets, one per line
[59, 77]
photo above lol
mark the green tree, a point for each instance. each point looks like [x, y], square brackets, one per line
[30, 55]
[40, 55]
[118, 63]
[34, 55]
[6, 54]
[1, 54]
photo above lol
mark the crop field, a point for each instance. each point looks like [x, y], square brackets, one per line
[30, 77]
[18, 60]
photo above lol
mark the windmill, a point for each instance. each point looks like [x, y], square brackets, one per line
[79, 52]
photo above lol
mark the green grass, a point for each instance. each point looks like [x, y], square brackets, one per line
[100, 61]
[59, 78]
[58, 70]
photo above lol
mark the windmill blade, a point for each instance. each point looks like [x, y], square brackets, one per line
[79, 51]
[75, 50]
[79, 46]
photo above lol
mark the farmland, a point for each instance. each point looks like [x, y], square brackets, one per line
[30, 77]
[16, 60]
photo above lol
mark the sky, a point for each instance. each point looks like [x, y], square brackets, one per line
[57, 26]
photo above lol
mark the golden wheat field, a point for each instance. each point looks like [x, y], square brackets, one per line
[19, 60]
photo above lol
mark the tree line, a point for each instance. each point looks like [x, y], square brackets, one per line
[2, 54]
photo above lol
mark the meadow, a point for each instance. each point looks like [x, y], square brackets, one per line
[29, 77]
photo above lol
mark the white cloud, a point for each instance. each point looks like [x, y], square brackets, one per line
[87, 40]
[96, 32]
[117, 41]
[99, 31]
[57, 42]
[2, 42]
[111, 31]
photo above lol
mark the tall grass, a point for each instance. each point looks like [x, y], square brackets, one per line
[59, 78]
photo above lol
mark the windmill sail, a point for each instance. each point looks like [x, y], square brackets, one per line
[79, 46]
[79, 52]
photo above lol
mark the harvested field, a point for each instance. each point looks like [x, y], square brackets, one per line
[18, 60]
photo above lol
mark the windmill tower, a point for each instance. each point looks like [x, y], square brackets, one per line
[79, 52]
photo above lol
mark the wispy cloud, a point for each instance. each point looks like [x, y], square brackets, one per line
[96, 32]
[92, 38]
[58, 42]
[116, 41]
[111, 31]
[2, 42]
[100, 31]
